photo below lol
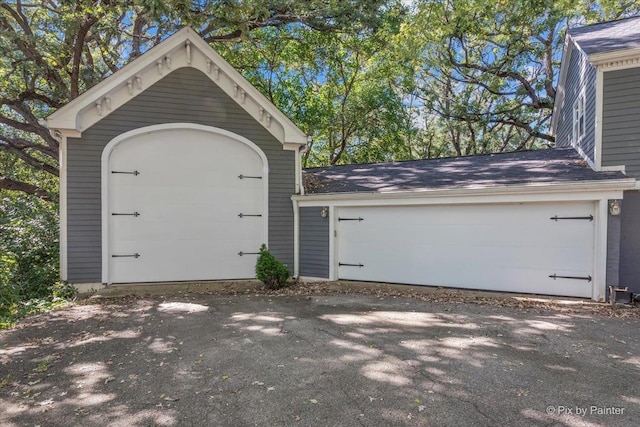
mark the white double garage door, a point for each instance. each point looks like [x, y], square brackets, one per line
[545, 248]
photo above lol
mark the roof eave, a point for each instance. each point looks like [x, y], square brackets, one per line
[531, 188]
[615, 56]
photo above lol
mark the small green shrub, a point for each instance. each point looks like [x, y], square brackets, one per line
[270, 271]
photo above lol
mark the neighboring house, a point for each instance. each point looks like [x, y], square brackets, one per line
[176, 169]
[597, 111]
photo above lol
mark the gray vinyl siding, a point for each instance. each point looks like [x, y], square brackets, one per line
[621, 120]
[314, 243]
[188, 96]
[581, 76]
[630, 241]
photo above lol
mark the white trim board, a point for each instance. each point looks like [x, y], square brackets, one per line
[183, 49]
[106, 154]
[62, 205]
[552, 192]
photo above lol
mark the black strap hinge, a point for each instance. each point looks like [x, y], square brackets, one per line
[241, 215]
[136, 214]
[556, 218]
[555, 276]
[136, 255]
[344, 264]
[134, 173]
[351, 219]
[249, 177]
[247, 253]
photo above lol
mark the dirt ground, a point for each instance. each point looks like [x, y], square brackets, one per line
[322, 354]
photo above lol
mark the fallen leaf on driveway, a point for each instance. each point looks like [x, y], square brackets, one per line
[313, 401]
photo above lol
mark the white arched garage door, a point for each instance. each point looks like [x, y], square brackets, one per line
[182, 202]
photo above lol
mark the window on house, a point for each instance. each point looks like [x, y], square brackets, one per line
[578, 119]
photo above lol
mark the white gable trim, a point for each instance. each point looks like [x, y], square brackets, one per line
[183, 49]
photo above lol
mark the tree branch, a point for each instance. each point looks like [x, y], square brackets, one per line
[9, 184]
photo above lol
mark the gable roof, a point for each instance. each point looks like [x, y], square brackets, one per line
[608, 36]
[536, 167]
[183, 49]
[606, 44]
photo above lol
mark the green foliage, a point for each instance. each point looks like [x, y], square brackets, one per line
[28, 257]
[485, 74]
[270, 271]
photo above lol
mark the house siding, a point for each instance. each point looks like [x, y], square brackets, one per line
[621, 120]
[314, 243]
[630, 241]
[184, 96]
[581, 75]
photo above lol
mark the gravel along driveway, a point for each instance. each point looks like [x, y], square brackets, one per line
[321, 360]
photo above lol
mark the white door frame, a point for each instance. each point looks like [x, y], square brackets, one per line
[106, 156]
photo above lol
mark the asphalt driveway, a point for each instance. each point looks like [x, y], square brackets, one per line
[336, 360]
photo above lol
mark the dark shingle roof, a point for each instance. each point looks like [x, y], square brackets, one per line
[608, 36]
[488, 170]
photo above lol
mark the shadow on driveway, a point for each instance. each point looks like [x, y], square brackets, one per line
[317, 361]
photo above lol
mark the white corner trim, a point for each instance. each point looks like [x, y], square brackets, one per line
[296, 238]
[597, 146]
[62, 159]
[599, 284]
[298, 173]
[333, 245]
[106, 155]
[132, 79]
